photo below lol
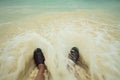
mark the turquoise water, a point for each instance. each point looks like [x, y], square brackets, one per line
[15, 9]
[65, 3]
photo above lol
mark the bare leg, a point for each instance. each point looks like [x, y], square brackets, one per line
[40, 75]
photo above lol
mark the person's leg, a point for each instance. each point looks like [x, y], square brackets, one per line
[40, 75]
[39, 61]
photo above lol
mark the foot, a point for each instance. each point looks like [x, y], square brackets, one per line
[38, 57]
[74, 54]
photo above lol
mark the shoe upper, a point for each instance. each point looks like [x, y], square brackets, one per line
[74, 54]
[38, 56]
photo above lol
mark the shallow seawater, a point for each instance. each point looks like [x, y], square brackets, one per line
[95, 32]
